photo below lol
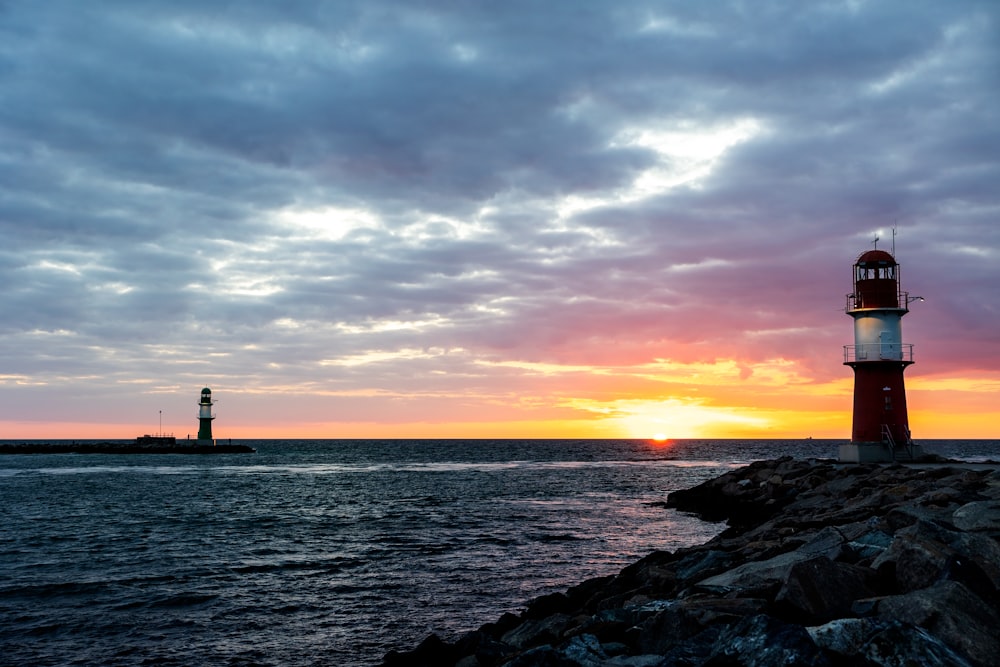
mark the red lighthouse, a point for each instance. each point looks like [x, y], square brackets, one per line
[881, 430]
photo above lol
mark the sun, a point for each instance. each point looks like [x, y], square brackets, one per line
[659, 437]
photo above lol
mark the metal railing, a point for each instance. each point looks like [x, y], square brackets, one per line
[878, 352]
[902, 303]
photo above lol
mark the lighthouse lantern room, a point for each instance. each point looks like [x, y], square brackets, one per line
[881, 430]
[205, 418]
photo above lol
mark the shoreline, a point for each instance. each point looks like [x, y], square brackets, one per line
[822, 563]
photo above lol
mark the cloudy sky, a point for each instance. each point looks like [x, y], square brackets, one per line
[479, 219]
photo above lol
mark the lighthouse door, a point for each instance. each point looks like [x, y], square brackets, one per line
[888, 346]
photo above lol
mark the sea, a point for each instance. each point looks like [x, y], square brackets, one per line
[332, 552]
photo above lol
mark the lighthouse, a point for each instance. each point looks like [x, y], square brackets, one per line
[881, 430]
[205, 418]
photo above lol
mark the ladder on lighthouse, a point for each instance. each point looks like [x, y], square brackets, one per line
[887, 439]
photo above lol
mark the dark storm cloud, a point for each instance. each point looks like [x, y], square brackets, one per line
[474, 176]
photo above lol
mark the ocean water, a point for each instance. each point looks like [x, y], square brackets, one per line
[330, 552]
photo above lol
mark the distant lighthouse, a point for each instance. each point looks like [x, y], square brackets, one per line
[881, 429]
[205, 417]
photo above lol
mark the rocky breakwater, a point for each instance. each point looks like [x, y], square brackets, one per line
[821, 564]
[182, 447]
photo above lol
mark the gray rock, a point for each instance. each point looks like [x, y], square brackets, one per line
[979, 515]
[870, 545]
[585, 650]
[845, 636]
[953, 614]
[828, 542]
[635, 661]
[707, 611]
[917, 558]
[664, 630]
[822, 589]
[924, 553]
[537, 631]
[753, 577]
[700, 563]
[758, 576]
[541, 656]
[900, 645]
[763, 641]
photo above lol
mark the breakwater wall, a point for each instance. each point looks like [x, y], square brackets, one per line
[182, 447]
[822, 564]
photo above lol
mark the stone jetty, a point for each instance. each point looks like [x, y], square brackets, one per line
[129, 447]
[821, 564]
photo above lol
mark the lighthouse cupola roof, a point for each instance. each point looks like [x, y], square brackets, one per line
[206, 390]
[874, 259]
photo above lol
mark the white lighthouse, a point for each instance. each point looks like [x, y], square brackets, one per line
[205, 418]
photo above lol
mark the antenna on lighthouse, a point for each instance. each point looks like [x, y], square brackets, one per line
[894, 240]
[875, 242]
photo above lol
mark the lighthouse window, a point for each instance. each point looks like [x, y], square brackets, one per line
[888, 402]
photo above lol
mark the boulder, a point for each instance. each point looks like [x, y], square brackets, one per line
[953, 614]
[916, 558]
[907, 645]
[541, 656]
[845, 636]
[925, 553]
[431, 652]
[758, 577]
[979, 515]
[870, 545]
[585, 650]
[819, 589]
[536, 631]
[763, 641]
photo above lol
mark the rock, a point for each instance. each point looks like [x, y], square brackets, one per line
[845, 636]
[546, 605]
[870, 545]
[820, 589]
[429, 653]
[924, 553]
[480, 648]
[695, 651]
[635, 661]
[701, 563]
[533, 632]
[664, 630]
[953, 614]
[709, 611]
[585, 650]
[916, 558]
[981, 515]
[542, 656]
[763, 641]
[906, 645]
[754, 579]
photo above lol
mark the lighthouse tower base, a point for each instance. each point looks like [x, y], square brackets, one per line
[878, 452]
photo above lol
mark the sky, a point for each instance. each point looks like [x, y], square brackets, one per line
[454, 219]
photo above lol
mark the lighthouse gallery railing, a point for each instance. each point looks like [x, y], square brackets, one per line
[878, 352]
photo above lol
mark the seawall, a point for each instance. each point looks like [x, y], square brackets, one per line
[821, 564]
[182, 447]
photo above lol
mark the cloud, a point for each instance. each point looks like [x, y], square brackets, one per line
[324, 198]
